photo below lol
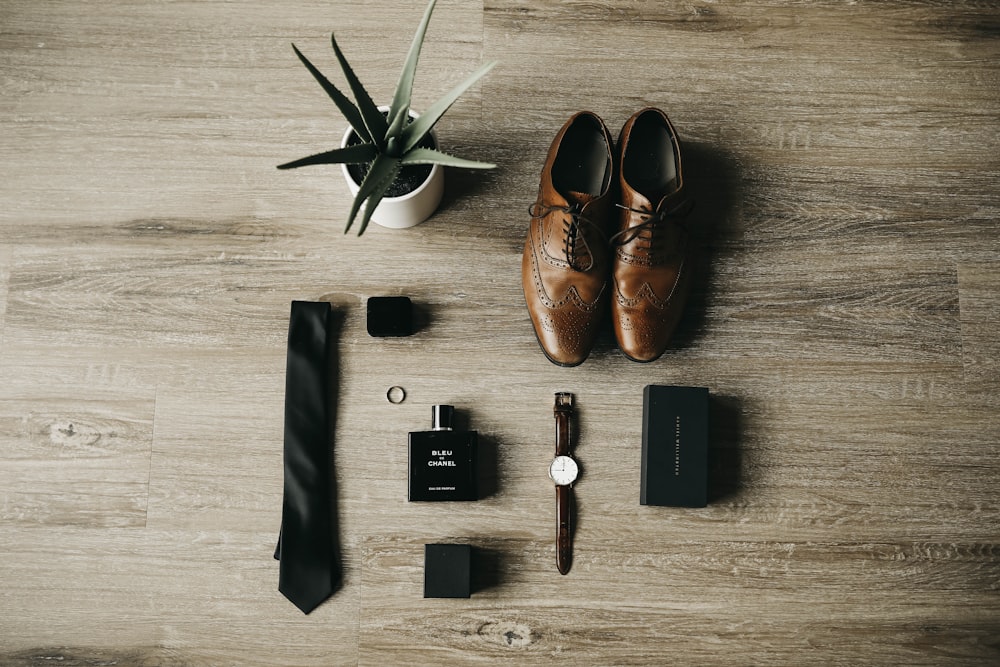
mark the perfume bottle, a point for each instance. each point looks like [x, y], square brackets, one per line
[443, 460]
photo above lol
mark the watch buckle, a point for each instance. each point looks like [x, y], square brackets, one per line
[564, 401]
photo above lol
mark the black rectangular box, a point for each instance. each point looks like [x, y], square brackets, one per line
[674, 446]
[447, 570]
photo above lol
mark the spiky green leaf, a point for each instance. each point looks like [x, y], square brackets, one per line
[375, 197]
[382, 172]
[399, 110]
[350, 155]
[431, 156]
[416, 130]
[374, 120]
[346, 106]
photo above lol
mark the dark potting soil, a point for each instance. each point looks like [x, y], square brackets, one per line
[408, 179]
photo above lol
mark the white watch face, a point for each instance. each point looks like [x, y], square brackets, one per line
[563, 470]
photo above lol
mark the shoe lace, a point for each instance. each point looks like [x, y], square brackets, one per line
[655, 220]
[574, 239]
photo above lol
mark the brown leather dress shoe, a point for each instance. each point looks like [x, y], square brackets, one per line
[651, 269]
[565, 266]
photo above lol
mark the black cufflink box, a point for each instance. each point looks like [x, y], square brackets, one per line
[447, 570]
[389, 316]
[674, 446]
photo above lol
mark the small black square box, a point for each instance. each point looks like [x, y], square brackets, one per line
[447, 570]
[674, 446]
[390, 316]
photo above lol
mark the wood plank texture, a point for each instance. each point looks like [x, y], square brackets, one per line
[845, 158]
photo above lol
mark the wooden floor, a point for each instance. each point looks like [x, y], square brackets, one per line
[846, 162]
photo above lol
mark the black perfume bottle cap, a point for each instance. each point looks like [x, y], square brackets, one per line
[442, 417]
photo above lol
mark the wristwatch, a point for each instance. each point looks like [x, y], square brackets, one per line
[563, 471]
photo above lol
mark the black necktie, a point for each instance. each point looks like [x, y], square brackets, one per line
[305, 544]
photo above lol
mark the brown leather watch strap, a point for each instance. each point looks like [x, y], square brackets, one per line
[564, 528]
[563, 411]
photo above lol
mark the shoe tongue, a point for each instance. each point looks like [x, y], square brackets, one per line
[672, 195]
[581, 198]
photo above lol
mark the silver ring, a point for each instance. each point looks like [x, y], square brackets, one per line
[395, 395]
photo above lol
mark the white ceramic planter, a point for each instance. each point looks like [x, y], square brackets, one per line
[407, 210]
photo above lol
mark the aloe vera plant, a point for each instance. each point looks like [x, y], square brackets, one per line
[388, 141]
